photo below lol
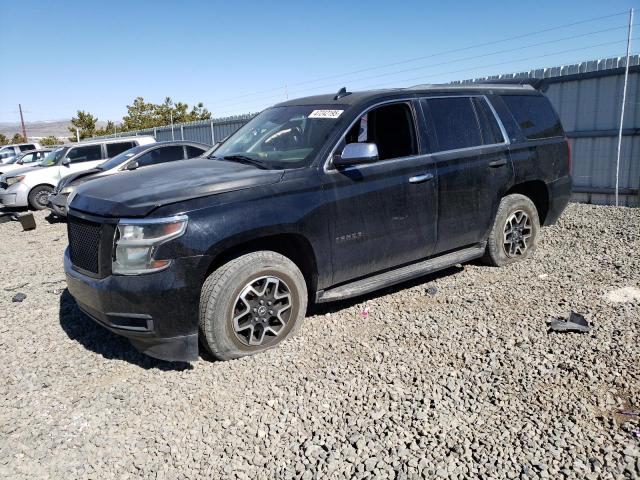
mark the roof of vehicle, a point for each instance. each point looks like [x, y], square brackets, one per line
[353, 98]
[108, 140]
[19, 144]
[35, 150]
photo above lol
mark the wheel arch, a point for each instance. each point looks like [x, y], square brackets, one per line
[538, 192]
[294, 246]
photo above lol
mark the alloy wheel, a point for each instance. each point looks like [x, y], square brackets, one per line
[517, 231]
[261, 311]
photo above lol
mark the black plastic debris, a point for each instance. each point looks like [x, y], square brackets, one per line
[576, 323]
[18, 297]
[26, 219]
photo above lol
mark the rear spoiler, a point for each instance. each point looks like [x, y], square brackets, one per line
[537, 83]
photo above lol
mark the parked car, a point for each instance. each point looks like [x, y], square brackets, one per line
[32, 186]
[26, 159]
[9, 152]
[321, 198]
[137, 157]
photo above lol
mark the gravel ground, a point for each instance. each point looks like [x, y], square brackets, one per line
[453, 376]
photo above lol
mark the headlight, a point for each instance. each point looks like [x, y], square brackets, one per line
[67, 190]
[136, 241]
[13, 180]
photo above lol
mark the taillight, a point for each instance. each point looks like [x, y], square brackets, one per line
[569, 164]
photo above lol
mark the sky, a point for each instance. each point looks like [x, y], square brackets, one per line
[242, 56]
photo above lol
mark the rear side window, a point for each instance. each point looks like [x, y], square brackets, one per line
[488, 124]
[25, 148]
[534, 115]
[85, 154]
[454, 123]
[161, 155]
[114, 149]
[194, 151]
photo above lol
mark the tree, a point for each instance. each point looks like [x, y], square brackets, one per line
[17, 138]
[108, 129]
[50, 141]
[3, 139]
[85, 122]
[141, 114]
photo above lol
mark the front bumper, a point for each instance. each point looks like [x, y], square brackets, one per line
[16, 195]
[157, 312]
[58, 204]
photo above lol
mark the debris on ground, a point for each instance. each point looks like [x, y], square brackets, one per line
[26, 219]
[624, 295]
[15, 287]
[576, 323]
[432, 291]
[18, 297]
[365, 312]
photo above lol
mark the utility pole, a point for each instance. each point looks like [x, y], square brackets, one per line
[173, 137]
[77, 134]
[624, 100]
[24, 130]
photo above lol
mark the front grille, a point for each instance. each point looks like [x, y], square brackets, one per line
[84, 244]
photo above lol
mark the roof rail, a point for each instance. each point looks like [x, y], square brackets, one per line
[537, 83]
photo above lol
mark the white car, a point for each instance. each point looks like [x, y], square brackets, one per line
[9, 152]
[26, 159]
[31, 186]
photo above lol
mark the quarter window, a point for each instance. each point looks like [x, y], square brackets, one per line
[390, 127]
[454, 123]
[534, 115]
[193, 152]
[114, 149]
[85, 154]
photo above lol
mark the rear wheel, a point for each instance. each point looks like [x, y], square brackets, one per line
[514, 233]
[39, 197]
[251, 304]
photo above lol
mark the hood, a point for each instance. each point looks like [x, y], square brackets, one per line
[137, 193]
[7, 171]
[78, 178]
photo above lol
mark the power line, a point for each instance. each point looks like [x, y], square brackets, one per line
[445, 52]
[450, 72]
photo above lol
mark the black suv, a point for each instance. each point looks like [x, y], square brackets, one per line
[316, 199]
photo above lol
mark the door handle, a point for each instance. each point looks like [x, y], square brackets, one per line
[421, 178]
[498, 163]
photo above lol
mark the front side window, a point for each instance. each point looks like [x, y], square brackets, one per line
[28, 158]
[161, 155]
[282, 137]
[87, 153]
[534, 115]
[114, 149]
[454, 123]
[390, 127]
[193, 152]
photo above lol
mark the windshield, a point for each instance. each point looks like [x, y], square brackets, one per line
[122, 157]
[53, 156]
[281, 137]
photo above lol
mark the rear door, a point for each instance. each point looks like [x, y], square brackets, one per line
[473, 167]
[84, 157]
[117, 148]
[383, 214]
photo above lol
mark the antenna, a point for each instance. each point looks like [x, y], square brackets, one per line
[341, 93]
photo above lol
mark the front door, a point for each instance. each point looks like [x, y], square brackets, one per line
[383, 214]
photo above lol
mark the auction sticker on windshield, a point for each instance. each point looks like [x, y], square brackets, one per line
[325, 113]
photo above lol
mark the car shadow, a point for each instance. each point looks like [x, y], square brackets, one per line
[333, 307]
[53, 219]
[82, 329]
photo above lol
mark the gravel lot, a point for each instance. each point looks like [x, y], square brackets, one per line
[463, 382]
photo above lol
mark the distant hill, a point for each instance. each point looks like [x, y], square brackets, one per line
[36, 130]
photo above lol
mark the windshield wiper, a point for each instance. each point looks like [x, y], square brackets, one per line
[246, 160]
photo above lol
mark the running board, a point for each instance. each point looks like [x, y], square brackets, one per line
[402, 274]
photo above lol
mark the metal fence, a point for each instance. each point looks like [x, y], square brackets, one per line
[588, 97]
[204, 131]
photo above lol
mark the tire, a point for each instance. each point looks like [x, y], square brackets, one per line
[38, 197]
[514, 233]
[232, 318]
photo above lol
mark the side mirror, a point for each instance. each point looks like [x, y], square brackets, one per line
[132, 165]
[66, 162]
[20, 162]
[356, 153]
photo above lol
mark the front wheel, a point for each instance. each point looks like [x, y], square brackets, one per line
[251, 304]
[514, 233]
[39, 197]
